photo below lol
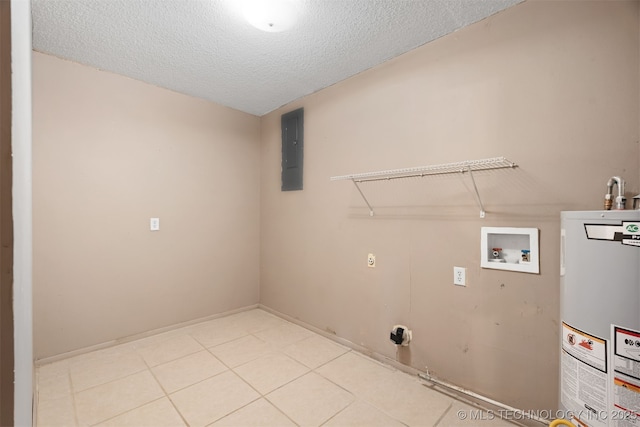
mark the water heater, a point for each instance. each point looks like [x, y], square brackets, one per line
[600, 318]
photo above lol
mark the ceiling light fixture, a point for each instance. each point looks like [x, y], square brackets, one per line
[270, 15]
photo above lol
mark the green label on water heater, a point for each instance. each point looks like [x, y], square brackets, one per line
[628, 233]
[631, 228]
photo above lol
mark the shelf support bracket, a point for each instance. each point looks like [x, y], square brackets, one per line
[475, 188]
[422, 171]
[363, 198]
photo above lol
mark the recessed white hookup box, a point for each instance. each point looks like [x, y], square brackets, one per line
[510, 248]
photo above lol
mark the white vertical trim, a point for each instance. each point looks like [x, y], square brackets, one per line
[22, 227]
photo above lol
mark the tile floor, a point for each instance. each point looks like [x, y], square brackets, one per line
[247, 369]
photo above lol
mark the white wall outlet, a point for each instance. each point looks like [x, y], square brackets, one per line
[154, 224]
[371, 260]
[460, 276]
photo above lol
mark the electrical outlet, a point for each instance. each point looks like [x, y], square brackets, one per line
[154, 224]
[371, 260]
[460, 276]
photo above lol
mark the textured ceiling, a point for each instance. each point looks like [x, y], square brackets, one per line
[206, 48]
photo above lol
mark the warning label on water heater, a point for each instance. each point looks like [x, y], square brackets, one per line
[584, 376]
[626, 375]
[584, 347]
[627, 352]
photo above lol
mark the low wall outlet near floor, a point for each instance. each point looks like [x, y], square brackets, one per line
[460, 276]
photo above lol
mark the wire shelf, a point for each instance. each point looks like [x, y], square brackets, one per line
[469, 166]
[446, 168]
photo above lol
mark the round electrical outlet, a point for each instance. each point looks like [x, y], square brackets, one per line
[371, 260]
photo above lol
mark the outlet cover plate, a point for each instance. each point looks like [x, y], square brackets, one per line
[460, 276]
[371, 261]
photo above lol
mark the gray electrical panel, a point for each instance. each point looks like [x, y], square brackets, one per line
[292, 150]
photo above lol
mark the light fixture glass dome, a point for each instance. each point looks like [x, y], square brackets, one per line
[270, 15]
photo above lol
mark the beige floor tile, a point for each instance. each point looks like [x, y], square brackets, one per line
[398, 394]
[162, 336]
[310, 400]
[268, 356]
[284, 335]
[463, 415]
[56, 412]
[159, 413]
[259, 413]
[257, 320]
[209, 400]
[404, 398]
[270, 372]
[90, 358]
[356, 373]
[108, 400]
[170, 349]
[103, 368]
[187, 371]
[314, 351]
[242, 350]
[53, 369]
[221, 322]
[53, 387]
[216, 332]
[362, 414]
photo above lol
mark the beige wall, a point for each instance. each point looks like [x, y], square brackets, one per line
[108, 154]
[553, 86]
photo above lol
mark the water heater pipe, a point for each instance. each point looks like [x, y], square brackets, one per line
[458, 389]
[620, 199]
